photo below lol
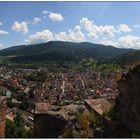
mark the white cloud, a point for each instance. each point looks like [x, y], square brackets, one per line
[90, 27]
[124, 28]
[94, 30]
[40, 37]
[62, 36]
[2, 32]
[104, 30]
[108, 42]
[74, 35]
[127, 41]
[36, 20]
[0, 23]
[45, 12]
[55, 17]
[77, 28]
[20, 27]
[107, 30]
[87, 24]
[1, 46]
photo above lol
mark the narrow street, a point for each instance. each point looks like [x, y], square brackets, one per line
[63, 84]
[83, 84]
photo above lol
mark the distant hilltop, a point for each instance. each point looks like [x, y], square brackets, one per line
[68, 51]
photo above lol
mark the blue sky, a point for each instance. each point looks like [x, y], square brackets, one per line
[109, 23]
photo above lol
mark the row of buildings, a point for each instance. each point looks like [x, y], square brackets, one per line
[57, 88]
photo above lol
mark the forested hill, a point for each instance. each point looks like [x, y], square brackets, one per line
[62, 51]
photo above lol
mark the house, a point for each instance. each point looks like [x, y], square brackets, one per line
[99, 106]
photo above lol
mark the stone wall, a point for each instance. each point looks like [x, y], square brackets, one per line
[48, 126]
[128, 102]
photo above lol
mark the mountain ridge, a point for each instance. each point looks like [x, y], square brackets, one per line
[62, 51]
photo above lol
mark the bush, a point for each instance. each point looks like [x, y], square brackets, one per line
[112, 113]
[37, 77]
[86, 118]
[14, 131]
[24, 105]
[110, 67]
[10, 104]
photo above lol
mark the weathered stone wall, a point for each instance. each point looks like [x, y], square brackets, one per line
[60, 122]
[128, 102]
[48, 126]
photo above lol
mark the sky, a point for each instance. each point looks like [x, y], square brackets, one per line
[108, 23]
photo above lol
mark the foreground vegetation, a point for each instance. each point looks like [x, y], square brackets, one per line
[16, 129]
